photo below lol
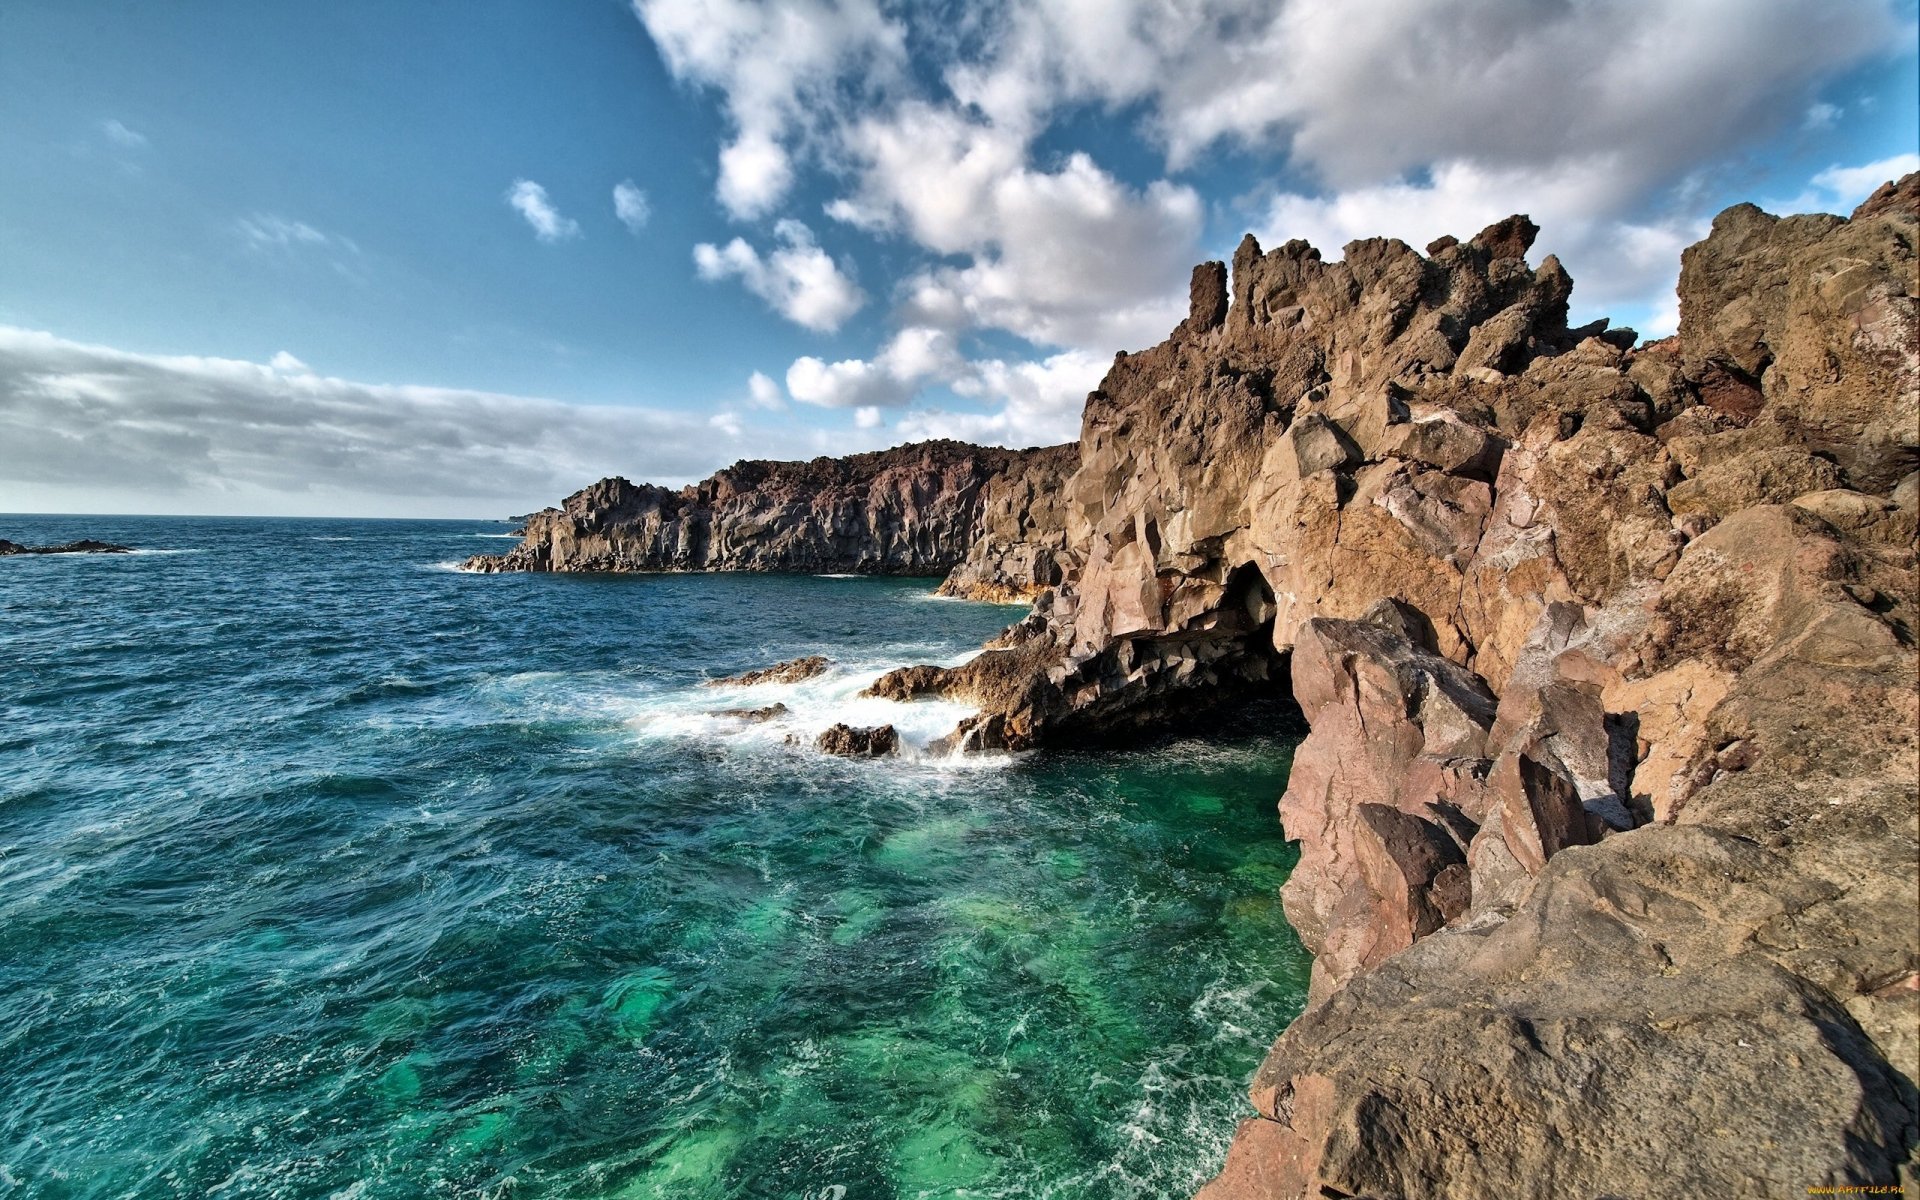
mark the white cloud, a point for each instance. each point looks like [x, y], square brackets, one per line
[631, 206]
[120, 135]
[1068, 257]
[911, 359]
[727, 423]
[1382, 105]
[781, 68]
[799, 280]
[1039, 402]
[763, 392]
[1821, 116]
[866, 417]
[754, 175]
[89, 427]
[1843, 188]
[288, 364]
[530, 200]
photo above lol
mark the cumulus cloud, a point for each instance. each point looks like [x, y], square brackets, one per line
[799, 280]
[631, 206]
[910, 360]
[1065, 257]
[779, 69]
[1606, 120]
[763, 392]
[530, 200]
[100, 429]
[1036, 403]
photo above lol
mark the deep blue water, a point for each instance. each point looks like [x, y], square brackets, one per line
[328, 871]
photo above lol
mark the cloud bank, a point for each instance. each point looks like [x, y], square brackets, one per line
[104, 430]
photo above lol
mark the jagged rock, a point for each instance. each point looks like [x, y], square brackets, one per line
[1020, 549]
[850, 742]
[1685, 570]
[755, 716]
[911, 510]
[83, 546]
[791, 671]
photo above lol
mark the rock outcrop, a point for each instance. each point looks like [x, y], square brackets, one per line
[912, 510]
[847, 741]
[792, 671]
[1607, 813]
[1020, 550]
[83, 546]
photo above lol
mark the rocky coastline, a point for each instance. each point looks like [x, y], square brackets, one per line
[1610, 842]
[984, 514]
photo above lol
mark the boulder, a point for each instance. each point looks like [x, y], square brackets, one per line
[848, 741]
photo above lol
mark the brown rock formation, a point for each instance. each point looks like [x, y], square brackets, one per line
[791, 671]
[850, 742]
[911, 510]
[1020, 550]
[1608, 812]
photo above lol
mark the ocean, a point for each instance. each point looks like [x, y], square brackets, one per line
[327, 870]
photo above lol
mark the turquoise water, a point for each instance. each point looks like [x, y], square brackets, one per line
[326, 870]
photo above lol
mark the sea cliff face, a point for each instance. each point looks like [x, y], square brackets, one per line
[912, 510]
[1607, 814]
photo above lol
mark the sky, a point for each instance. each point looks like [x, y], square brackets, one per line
[462, 257]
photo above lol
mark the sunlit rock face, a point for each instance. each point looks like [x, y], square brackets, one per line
[1607, 652]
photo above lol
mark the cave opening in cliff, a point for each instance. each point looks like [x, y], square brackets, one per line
[1264, 692]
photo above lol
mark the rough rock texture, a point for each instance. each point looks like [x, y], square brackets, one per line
[753, 716]
[911, 510]
[850, 742]
[791, 671]
[83, 546]
[1607, 813]
[1021, 547]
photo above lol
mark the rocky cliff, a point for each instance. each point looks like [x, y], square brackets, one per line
[911, 510]
[1607, 813]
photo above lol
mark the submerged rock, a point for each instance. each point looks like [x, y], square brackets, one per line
[791, 671]
[754, 716]
[848, 741]
[83, 546]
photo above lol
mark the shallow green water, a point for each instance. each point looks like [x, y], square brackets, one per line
[326, 872]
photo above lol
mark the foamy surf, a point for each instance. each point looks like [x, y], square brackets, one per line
[812, 706]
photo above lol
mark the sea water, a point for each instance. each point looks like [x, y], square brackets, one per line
[327, 870]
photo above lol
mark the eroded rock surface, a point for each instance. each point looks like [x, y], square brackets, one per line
[911, 510]
[1607, 812]
[848, 741]
[791, 671]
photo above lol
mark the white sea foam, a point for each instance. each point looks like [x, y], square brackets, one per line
[512, 537]
[813, 705]
[456, 565]
[179, 550]
[841, 575]
[330, 539]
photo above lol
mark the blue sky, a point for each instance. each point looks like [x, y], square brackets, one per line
[367, 258]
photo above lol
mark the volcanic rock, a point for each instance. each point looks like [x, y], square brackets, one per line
[850, 742]
[911, 510]
[791, 671]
